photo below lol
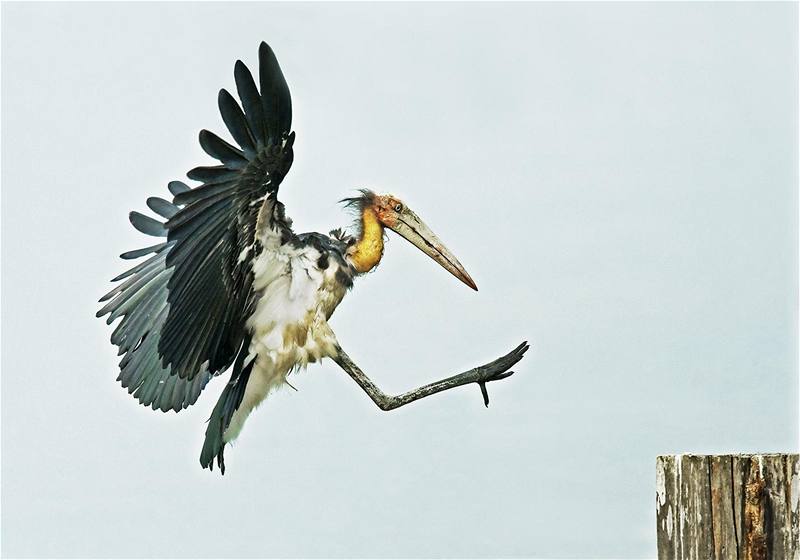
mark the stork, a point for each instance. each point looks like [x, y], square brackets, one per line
[231, 284]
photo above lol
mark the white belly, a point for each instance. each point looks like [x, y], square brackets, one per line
[289, 326]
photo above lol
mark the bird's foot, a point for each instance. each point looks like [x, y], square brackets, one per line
[499, 369]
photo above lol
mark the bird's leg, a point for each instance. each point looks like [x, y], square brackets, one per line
[493, 371]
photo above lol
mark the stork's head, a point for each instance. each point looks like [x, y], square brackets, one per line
[377, 212]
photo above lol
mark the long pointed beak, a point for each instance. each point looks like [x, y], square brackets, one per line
[414, 230]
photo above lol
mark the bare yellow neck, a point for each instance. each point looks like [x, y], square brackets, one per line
[367, 251]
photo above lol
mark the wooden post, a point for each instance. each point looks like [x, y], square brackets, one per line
[721, 507]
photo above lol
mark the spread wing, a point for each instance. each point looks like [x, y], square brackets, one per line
[184, 308]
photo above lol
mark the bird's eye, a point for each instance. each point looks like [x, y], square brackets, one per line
[398, 207]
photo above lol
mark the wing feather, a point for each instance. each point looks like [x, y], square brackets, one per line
[162, 207]
[235, 121]
[218, 224]
[275, 98]
[216, 147]
[213, 174]
[130, 255]
[251, 102]
[147, 225]
[177, 187]
[183, 310]
[204, 192]
[141, 302]
[139, 267]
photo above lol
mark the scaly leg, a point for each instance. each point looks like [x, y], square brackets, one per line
[493, 371]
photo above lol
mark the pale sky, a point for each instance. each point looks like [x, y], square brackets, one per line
[619, 179]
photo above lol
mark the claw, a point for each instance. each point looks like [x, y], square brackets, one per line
[495, 377]
[501, 364]
[503, 375]
[485, 393]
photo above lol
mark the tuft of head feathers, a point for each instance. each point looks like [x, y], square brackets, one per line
[359, 202]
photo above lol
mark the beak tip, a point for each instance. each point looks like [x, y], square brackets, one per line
[416, 232]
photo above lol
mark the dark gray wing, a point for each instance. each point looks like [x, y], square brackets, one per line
[141, 301]
[210, 292]
[184, 309]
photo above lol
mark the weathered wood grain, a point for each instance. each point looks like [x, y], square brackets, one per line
[728, 507]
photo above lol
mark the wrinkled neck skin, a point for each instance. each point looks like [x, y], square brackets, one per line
[366, 253]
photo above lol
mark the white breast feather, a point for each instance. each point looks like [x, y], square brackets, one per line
[289, 324]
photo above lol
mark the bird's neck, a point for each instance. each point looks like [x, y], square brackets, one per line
[366, 253]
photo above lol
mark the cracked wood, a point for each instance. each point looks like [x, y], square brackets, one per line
[737, 507]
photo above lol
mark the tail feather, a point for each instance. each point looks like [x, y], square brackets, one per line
[228, 403]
